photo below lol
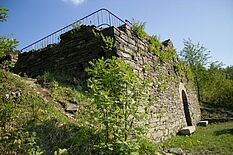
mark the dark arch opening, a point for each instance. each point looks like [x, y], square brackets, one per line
[186, 109]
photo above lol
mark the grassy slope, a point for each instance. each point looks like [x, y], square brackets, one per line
[29, 124]
[213, 139]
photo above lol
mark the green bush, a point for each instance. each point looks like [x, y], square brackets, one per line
[114, 114]
[7, 112]
[107, 42]
[183, 70]
[154, 45]
[7, 45]
[147, 147]
[139, 29]
[156, 48]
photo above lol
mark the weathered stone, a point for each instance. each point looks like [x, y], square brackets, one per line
[188, 130]
[167, 44]
[74, 52]
[7, 96]
[71, 108]
[203, 123]
[123, 54]
[176, 151]
[16, 93]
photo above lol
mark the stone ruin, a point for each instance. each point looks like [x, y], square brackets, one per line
[176, 105]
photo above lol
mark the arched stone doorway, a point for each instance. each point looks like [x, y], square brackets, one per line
[186, 109]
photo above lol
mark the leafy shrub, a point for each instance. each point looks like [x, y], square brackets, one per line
[147, 147]
[3, 14]
[168, 55]
[183, 70]
[7, 112]
[139, 29]
[107, 42]
[154, 45]
[7, 45]
[156, 48]
[18, 140]
[114, 114]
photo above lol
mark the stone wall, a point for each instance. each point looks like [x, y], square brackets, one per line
[171, 93]
[71, 55]
[167, 115]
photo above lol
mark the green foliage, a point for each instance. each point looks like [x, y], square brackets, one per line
[168, 55]
[6, 110]
[13, 115]
[214, 84]
[63, 88]
[20, 141]
[146, 68]
[216, 88]
[213, 139]
[229, 71]
[3, 14]
[196, 56]
[183, 70]
[139, 29]
[65, 94]
[147, 147]
[156, 48]
[7, 45]
[107, 42]
[154, 45]
[23, 128]
[117, 112]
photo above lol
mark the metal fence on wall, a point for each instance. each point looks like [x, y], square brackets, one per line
[99, 18]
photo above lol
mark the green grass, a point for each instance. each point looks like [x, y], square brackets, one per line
[213, 139]
[31, 125]
[28, 123]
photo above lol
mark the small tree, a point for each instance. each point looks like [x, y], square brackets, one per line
[7, 45]
[196, 57]
[118, 109]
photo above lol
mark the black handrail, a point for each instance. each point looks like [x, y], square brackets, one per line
[103, 17]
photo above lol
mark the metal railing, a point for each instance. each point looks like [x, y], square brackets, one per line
[99, 18]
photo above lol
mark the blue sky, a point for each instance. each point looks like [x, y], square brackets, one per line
[209, 22]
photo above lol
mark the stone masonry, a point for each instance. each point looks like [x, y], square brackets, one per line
[175, 105]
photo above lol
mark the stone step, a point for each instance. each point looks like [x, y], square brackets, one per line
[71, 108]
[203, 123]
[187, 130]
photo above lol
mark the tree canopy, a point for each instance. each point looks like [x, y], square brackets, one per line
[213, 82]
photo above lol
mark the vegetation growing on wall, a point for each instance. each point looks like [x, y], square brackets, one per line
[155, 46]
[117, 113]
[113, 112]
[183, 70]
[139, 29]
[107, 42]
